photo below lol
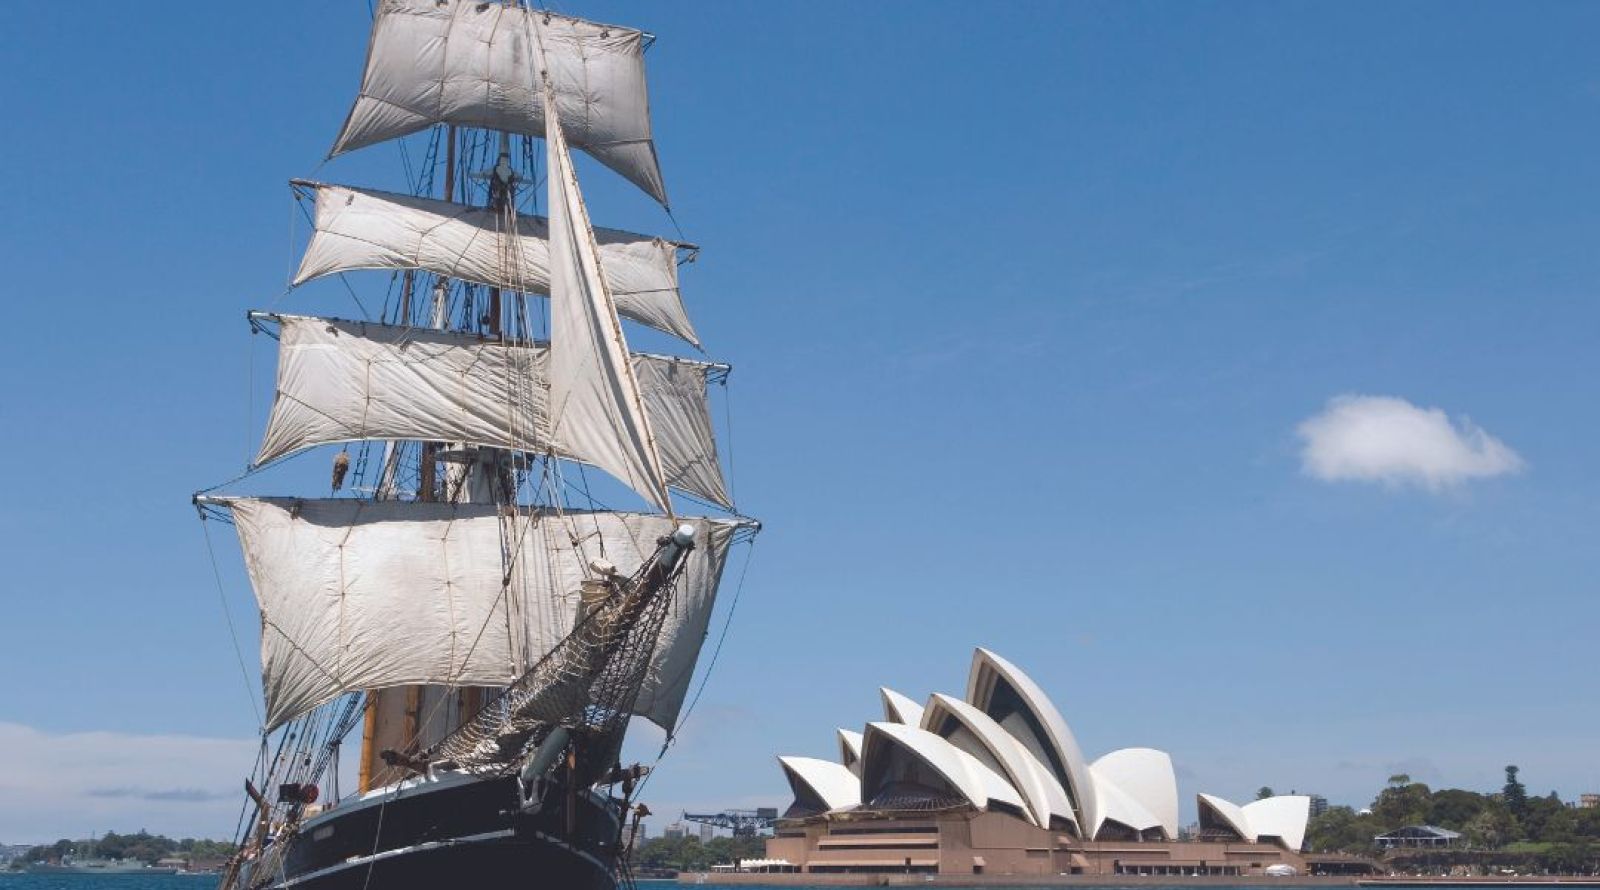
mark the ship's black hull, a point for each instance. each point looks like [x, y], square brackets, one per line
[438, 835]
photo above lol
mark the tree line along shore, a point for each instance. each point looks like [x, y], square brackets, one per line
[1508, 829]
[143, 846]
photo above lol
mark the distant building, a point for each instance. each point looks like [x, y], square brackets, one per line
[994, 783]
[707, 832]
[634, 835]
[1319, 805]
[1588, 801]
[1417, 836]
[675, 831]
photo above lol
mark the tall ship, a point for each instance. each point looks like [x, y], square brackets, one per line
[463, 600]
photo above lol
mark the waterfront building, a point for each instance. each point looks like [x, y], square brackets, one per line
[675, 831]
[707, 832]
[1416, 836]
[994, 782]
[1319, 805]
[1588, 801]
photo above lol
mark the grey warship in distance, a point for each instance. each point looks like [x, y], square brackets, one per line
[461, 596]
[92, 866]
[96, 865]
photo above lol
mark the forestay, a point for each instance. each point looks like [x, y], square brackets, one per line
[356, 228]
[341, 381]
[472, 63]
[595, 405]
[374, 594]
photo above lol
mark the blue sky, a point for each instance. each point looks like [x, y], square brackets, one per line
[1027, 303]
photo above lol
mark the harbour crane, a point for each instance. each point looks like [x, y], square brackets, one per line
[743, 823]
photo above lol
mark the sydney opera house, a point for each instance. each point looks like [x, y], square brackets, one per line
[995, 783]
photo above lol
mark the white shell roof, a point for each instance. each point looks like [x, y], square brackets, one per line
[898, 708]
[978, 783]
[1078, 782]
[1228, 812]
[1044, 795]
[1284, 817]
[850, 749]
[832, 783]
[1145, 775]
[1119, 806]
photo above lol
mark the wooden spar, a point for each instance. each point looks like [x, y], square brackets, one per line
[369, 727]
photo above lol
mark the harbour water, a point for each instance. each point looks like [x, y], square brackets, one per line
[24, 881]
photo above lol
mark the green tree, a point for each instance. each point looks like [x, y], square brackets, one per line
[1561, 827]
[1453, 808]
[1570, 858]
[1537, 813]
[1399, 805]
[1514, 794]
[1342, 829]
[1489, 829]
[1264, 792]
[1586, 822]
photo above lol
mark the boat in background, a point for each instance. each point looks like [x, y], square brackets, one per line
[89, 865]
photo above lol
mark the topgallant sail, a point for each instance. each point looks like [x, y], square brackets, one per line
[460, 595]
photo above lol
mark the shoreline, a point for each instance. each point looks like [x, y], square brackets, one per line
[907, 880]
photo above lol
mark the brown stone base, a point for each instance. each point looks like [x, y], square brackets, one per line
[966, 844]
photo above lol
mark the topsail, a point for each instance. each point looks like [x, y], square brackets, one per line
[473, 64]
[357, 228]
[343, 381]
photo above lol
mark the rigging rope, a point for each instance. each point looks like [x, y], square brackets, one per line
[722, 636]
[233, 634]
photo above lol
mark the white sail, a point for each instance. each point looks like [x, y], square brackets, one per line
[595, 406]
[472, 63]
[356, 228]
[374, 594]
[341, 381]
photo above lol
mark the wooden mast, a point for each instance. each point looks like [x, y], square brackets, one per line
[393, 718]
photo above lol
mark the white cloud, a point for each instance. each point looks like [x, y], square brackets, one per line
[55, 785]
[1389, 440]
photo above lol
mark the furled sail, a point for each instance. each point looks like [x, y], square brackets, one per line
[341, 381]
[373, 594]
[595, 405]
[472, 63]
[356, 228]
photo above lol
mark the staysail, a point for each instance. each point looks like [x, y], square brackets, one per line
[595, 405]
[342, 381]
[373, 594]
[357, 228]
[473, 64]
